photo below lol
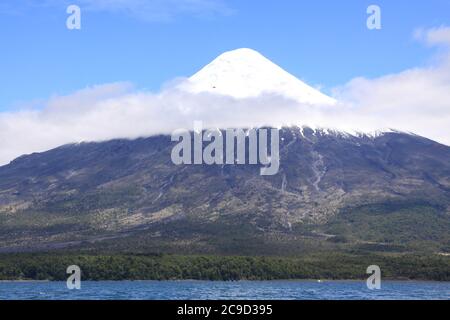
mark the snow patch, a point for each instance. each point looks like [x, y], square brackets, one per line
[245, 73]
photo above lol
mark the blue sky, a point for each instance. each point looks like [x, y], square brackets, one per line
[322, 42]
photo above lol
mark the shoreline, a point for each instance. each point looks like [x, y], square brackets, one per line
[322, 281]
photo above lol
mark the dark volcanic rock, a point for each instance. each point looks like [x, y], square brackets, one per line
[113, 189]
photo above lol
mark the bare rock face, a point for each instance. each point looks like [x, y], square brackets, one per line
[130, 189]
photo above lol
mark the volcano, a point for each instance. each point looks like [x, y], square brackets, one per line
[333, 190]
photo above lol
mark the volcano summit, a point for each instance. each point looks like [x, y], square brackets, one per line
[245, 73]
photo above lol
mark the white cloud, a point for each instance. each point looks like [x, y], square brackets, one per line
[158, 10]
[116, 111]
[144, 10]
[416, 100]
[434, 36]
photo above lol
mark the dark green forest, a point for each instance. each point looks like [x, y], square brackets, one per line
[51, 266]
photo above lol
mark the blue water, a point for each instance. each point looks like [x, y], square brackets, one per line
[201, 290]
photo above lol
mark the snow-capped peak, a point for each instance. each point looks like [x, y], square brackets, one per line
[245, 73]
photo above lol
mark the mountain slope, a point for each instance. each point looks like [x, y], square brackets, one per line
[127, 194]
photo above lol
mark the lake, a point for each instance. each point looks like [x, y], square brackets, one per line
[201, 290]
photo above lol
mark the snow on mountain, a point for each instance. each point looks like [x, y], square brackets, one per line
[245, 73]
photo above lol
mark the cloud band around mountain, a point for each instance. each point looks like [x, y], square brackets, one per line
[415, 100]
